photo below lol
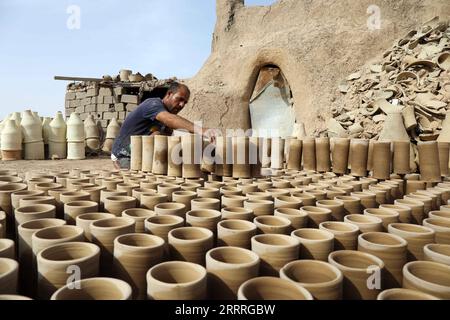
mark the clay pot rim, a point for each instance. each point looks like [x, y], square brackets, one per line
[237, 210]
[28, 193]
[24, 226]
[368, 256]
[129, 213]
[168, 185]
[436, 265]
[289, 199]
[191, 184]
[338, 276]
[412, 294]
[37, 198]
[94, 188]
[363, 193]
[36, 208]
[74, 194]
[126, 222]
[315, 210]
[12, 187]
[430, 248]
[351, 227]
[406, 228]
[176, 220]
[418, 196]
[228, 265]
[437, 214]
[293, 242]
[48, 185]
[81, 204]
[437, 223]
[158, 241]
[214, 214]
[303, 195]
[328, 202]
[262, 281]
[58, 191]
[362, 238]
[233, 196]
[205, 200]
[186, 193]
[286, 222]
[88, 214]
[381, 212]
[291, 212]
[170, 206]
[258, 201]
[94, 250]
[123, 288]
[251, 225]
[395, 207]
[9, 179]
[13, 297]
[119, 199]
[151, 194]
[347, 198]
[411, 201]
[200, 270]
[375, 220]
[75, 232]
[6, 243]
[207, 234]
[208, 189]
[11, 264]
[127, 184]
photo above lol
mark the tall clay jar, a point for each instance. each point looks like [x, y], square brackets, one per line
[54, 262]
[241, 164]
[272, 288]
[365, 223]
[11, 137]
[315, 244]
[359, 149]
[294, 161]
[309, 154]
[190, 244]
[147, 153]
[437, 253]
[84, 221]
[428, 277]
[345, 234]
[323, 163]
[416, 236]
[177, 280]
[223, 157]
[391, 249]
[381, 160]
[359, 268]
[57, 144]
[97, 288]
[321, 279]
[336, 207]
[228, 268]
[235, 233]
[104, 232]
[136, 153]
[191, 146]
[275, 250]
[160, 149]
[174, 160]
[9, 274]
[352, 205]
[339, 154]
[429, 161]
[134, 254]
[400, 162]
[316, 215]
[138, 215]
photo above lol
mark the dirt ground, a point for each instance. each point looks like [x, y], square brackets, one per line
[23, 166]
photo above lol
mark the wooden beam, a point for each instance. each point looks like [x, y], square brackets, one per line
[77, 78]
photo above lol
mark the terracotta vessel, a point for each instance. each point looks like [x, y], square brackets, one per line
[345, 234]
[428, 277]
[381, 166]
[168, 189]
[294, 160]
[7, 249]
[429, 161]
[191, 146]
[236, 233]
[95, 289]
[272, 288]
[417, 209]
[161, 225]
[139, 216]
[57, 139]
[437, 252]
[404, 294]
[233, 201]
[260, 207]
[316, 215]
[416, 236]
[352, 205]
[387, 216]
[190, 244]
[272, 225]
[277, 153]
[339, 154]
[84, 221]
[287, 202]
[205, 203]
[149, 200]
[184, 197]
[405, 212]
[170, 208]
[441, 228]
[336, 207]
[205, 218]
[237, 213]
[47, 237]
[147, 153]
[444, 150]
[309, 154]
[6, 204]
[323, 162]
[160, 149]
[11, 138]
[75, 208]
[298, 218]
[368, 199]
[359, 149]
[365, 223]
[38, 211]
[9, 274]
[117, 204]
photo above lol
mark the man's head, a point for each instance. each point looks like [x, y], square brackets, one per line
[176, 97]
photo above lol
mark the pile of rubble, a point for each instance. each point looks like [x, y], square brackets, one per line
[413, 77]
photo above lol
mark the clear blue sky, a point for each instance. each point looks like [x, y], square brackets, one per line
[165, 37]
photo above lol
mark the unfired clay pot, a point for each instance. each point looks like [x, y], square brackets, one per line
[237, 213]
[205, 203]
[429, 161]
[404, 294]
[298, 218]
[177, 280]
[428, 277]
[345, 234]
[160, 149]
[117, 204]
[316, 215]
[7, 249]
[260, 207]
[437, 253]
[323, 163]
[381, 166]
[321, 279]
[95, 289]
[405, 212]
[161, 225]
[134, 255]
[336, 207]
[368, 199]
[365, 223]
[416, 236]
[9, 274]
[441, 228]
[352, 205]
[309, 154]
[205, 218]
[237, 233]
[275, 250]
[190, 244]
[84, 221]
[138, 215]
[38, 211]
[170, 208]
[359, 149]
[6, 205]
[340, 153]
[136, 153]
[150, 199]
[228, 268]
[272, 288]
[272, 225]
[184, 197]
[75, 208]
[287, 202]
[417, 209]
[387, 216]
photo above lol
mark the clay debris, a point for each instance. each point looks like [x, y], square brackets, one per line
[413, 77]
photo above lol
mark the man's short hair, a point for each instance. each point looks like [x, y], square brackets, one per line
[175, 86]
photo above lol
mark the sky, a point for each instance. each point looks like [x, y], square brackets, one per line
[43, 38]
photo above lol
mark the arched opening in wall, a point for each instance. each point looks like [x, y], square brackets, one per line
[271, 104]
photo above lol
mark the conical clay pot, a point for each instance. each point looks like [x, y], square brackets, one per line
[205, 218]
[117, 204]
[345, 234]
[9, 273]
[260, 207]
[84, 221]
[38, 211]
[95, 289]
[237, 213]
[437, 252]
[365, 223]
[316, 215]
[7, 249]
[170, 208]
[298, 218]
[387, 216]
[161, 225]
[190, 244]
[272, 288]
[441, 228]
[75, 208]
[428, 277]
[416, 236]
[236, 233]
[139, 216]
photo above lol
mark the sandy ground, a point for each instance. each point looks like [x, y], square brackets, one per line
[22, 166]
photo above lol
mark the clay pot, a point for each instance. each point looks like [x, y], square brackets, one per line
[170, 208]
[237, 213]
[184, 197]
[391, 249]
[309, 154]
[117, 204]
[321, 279]
[275, 250]
[6, 205]
[139, 216]
[271, 288]
[127, 187]
[147, 153]
[352, 205]
[223, 156]
[314, 243]
[230, 190]
[358, 268]
[287, 202]
[190, 244]
[111, 183]
[9, 179]
[47, 237]
[160, 150]
[444, 150]
[414, 185]
[298, 218]
[440, 214]
[387, 216]
[103, 233]
[336, 207]
[441, 228]
[46, 186]
[236, 233]
[76, 150]
[53, 263]
[381, 166]
[32, 136]
[94, 193]
[168, 189]
[233, 201]
[259, 195]
[75, 208]
[417, 208]
[359, 149]
[84, 221]
[428, 277]
[277, 153]
[13, 297]
[228, 268]
[136, 153]
[318, 194]
[9, 274]
[405, 212]
[11, 138]
[149, 200]
[323, 163]
[345, 234]
[205, 203]
[35, 200]
[134, 254]
[429, 161]
[57, 140]
[161, 225]
[365, 223]
[339, 154]
[16, 196]
[404, 294]
[295, 154]
[205, 218]
[38, 211]
[177, 280]
[435, 202]
[368, 199]
[95, 289]
[191, 146]
[7, 249]
[416, 236]
[400, 161]
[260, 207]
[71, 196]
[241, 167]
[272, 225]
[207, 192]
[437, 252]
[316, 215]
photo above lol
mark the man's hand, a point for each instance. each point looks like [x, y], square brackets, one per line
[211, 134]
